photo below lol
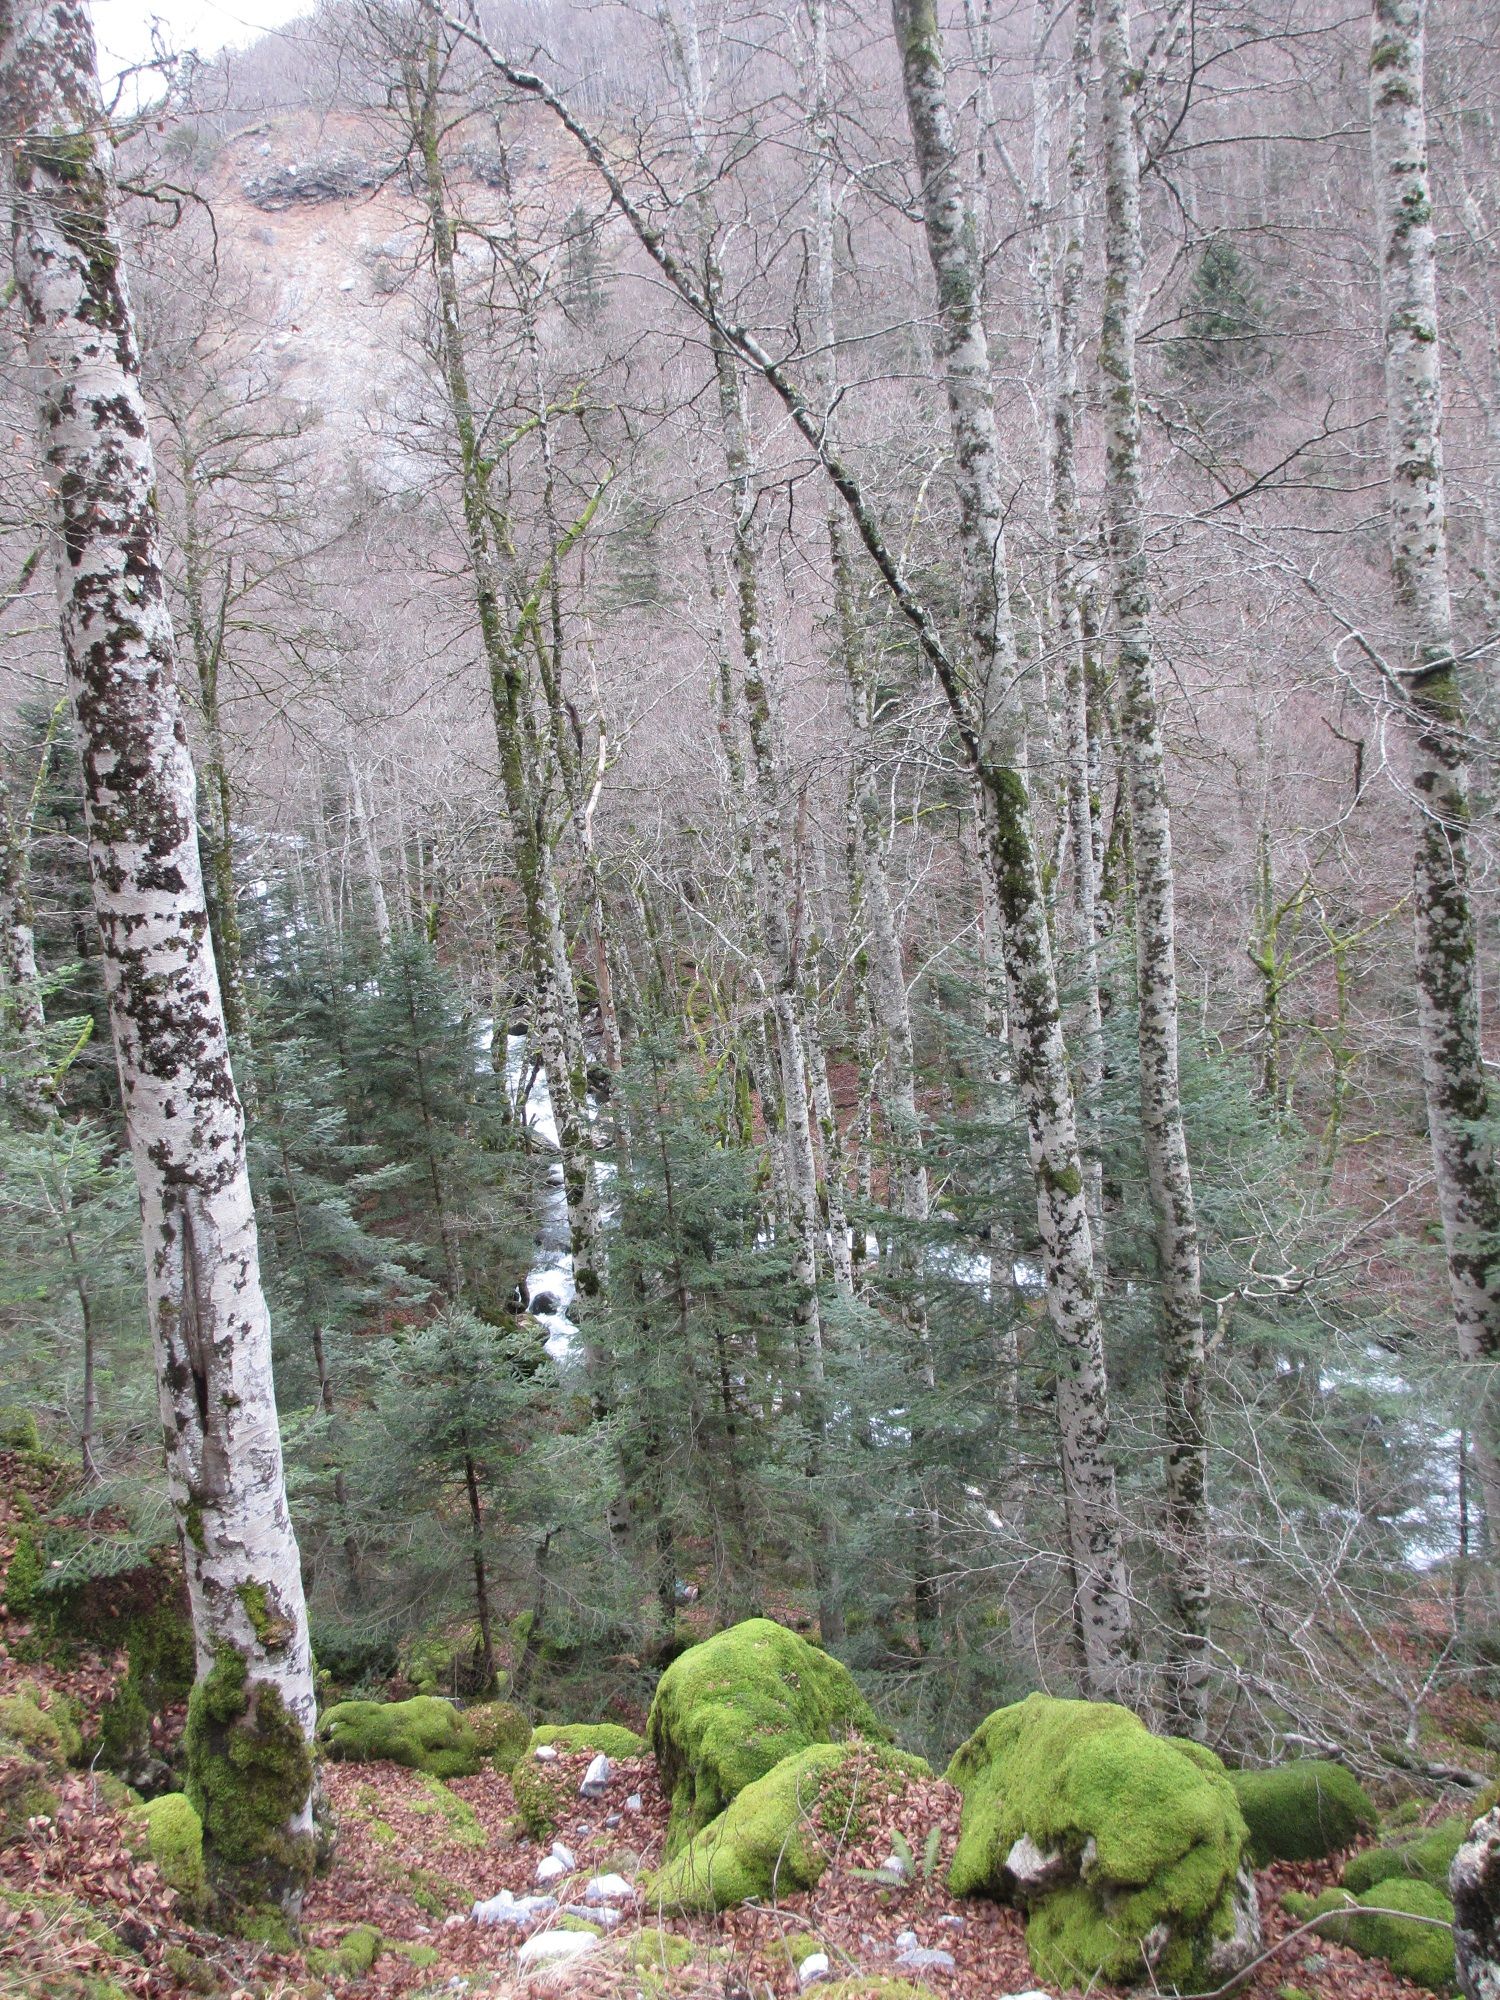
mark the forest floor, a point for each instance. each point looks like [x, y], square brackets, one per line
[84, 1916]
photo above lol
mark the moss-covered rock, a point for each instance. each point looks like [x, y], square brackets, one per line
[543, 1794]
[351, 1958]
[174, 1837]
[1426, 1857]
[1420, 1951]
[1302, 1811]
[1125, 1850]
[42, 1723]
[731, 1708]
[249, 1778]
[159, 1650]
[571, 1737]
[501, 1732]
[778, 1834]
[424, 1734]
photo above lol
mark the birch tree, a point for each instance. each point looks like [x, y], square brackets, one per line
[1432, 706]
[250, 1722]
[1164, 1140]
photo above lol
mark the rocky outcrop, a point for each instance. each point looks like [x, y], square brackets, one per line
[1475, 1885]
[339, 176]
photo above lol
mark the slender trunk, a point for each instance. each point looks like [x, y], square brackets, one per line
[1094, 1525]
[1174, 1212]
[24, 1013]
[1067, 530]
[515, 737]
[249, 1764]
[1453, 1077]
[369, 850]
[481, 1578]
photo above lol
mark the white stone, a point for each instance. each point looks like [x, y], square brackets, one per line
[552, 1947]
[1034, 1870]
[813, 1968]
[595, 1778]
[609, 1889]
[633, 1803]
[564, 1854]
[545, 1753]
[550, 1869]
[907, 1940]
[516, 1911]
[927, 1961]
[894, 1865]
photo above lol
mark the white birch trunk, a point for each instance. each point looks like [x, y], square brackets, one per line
[1094, 1525]
[1165, 1142]
[254, 1699]
[1452, 1060]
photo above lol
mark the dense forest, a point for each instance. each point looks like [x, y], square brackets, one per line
[748, 762]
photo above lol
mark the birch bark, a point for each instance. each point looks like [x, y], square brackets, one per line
[1040, 1057]
[1174, 1213]
[1453, 1077]
[251, 1716]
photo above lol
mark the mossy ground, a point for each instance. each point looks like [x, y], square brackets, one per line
[425, 1734]
[732, 1707]
[1166, 1831]
[1302, 1811]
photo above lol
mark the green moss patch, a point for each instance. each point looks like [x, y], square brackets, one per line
[1420, 1952]
[876, 1986]
[731, 1708]
[543, 1794]
[609, 1737]
[501, 1732]
[1302, 1811]
[658, 1951]
[41, 1723]
[351, 1958]
[779, 1834]
[1160, 1826]
[459, 1817]
[174, 1835]
[425, 1734]
[1427, 1857]
[249, 1777]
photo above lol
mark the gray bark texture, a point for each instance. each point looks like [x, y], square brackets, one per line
[1163, 1137]
[1433, 707]
[1036, 1029]
[251, 1717]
